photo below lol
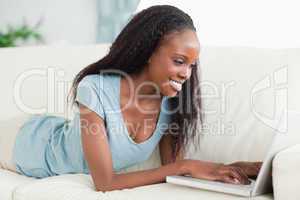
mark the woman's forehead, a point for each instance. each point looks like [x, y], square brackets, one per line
[184, 41]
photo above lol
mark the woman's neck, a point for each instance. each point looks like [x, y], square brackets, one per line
[141, 87]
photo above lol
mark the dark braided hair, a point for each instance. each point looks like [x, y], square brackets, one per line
[130, 52]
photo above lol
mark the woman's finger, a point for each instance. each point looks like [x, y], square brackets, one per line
[230, 179]
[234, 174]
[258, 165]
[244, 176]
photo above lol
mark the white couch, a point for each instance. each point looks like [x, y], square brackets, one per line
[230, 77]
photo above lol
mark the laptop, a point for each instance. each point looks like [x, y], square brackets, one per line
[263, 182]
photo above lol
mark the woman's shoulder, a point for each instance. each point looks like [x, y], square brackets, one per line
[94, 78]
[99, 81]
[97, 92]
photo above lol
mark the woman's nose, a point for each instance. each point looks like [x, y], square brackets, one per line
[185, 73]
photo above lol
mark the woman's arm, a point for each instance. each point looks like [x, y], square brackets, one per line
[98, 156]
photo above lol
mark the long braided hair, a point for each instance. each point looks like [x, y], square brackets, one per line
[130, 52]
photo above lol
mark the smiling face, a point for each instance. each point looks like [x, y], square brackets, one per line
[172, 62]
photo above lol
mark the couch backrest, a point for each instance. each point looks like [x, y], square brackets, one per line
[37, 79]
[244, 91]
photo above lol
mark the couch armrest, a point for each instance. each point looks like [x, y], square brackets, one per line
[286, 174]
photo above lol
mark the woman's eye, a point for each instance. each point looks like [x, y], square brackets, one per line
[179, 62]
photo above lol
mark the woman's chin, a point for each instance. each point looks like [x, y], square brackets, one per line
[169, 91]
[172, 93]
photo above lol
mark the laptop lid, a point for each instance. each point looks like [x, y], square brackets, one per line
[286, 135]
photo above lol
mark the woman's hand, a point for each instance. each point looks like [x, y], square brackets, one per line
[217, 172]
[249, 168]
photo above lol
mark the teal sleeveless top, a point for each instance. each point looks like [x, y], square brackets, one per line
[49, 145]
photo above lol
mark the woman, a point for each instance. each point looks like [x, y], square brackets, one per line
[125, 100]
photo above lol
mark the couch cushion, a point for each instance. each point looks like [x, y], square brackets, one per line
[69, 186]
[9, 181]
[167, 191]
[285, 181]
[79, 186]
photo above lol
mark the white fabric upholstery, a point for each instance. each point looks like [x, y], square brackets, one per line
[9, 181]
[229, 77]
[239, 69]
[8, 131]
[80, 186]
[286, 174]
[45, 75]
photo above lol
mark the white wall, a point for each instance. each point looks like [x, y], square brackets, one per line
[258, 23]
[64, 21]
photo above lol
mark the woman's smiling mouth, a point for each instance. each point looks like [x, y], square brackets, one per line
[176, 85]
